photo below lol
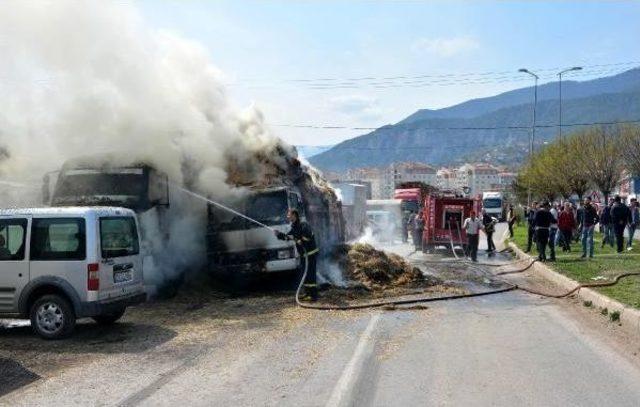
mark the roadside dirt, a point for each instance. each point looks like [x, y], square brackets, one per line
[159, 326]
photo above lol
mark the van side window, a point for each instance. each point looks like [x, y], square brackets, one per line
[58, 239]
[12, 236]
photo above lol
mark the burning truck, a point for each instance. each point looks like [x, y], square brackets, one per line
[238, 246]
[171, 222]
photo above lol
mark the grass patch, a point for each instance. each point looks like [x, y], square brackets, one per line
[606, 264]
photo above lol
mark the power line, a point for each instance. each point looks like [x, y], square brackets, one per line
[444, 82]
[399, 126]
[550, 72]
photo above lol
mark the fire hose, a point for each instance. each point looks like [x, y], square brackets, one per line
[394, 302]
[378, 304]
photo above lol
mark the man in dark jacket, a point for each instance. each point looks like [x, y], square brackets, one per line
[530, 214]
[405, 226]
[607, 224]
[588, 220]
[511, 219]
[542, 222]
[417, 240]
[489, 222]
[620, 218]
[305, 240]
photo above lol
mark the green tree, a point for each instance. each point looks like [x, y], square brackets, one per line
[578, 180]
[630, 141]
[600, 156]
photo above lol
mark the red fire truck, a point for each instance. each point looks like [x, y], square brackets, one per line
[444, 213]
[412, 194]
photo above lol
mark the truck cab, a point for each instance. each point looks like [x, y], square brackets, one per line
[493, 204]
[137, 187]
[237, 245]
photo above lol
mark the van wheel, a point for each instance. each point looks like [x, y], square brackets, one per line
[52, 317]
[108, 319]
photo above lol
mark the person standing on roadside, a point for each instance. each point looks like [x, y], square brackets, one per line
[553, 231]
[566, 224]
[511, 219]
[472, 226]
[489, 225]
[620, 218]
[606, 224]
[588, 222]
[542, 223]
[419, 230]
[635, 218]
[578, 215]
[405, 226]
[559, 241]
[530, 214]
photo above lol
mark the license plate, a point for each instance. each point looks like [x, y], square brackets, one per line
[122, 276]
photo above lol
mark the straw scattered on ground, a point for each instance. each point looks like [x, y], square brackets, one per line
[377, 270]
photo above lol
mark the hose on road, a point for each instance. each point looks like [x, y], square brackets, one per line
[393, 302]
[615, 281]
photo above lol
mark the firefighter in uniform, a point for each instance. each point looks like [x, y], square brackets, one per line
[305, 241]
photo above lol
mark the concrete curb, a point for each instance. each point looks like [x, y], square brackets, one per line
[629, 317]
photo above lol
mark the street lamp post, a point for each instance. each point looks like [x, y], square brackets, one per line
[533, 124]
[575, 68]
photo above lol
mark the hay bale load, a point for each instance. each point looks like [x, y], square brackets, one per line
[376, 270]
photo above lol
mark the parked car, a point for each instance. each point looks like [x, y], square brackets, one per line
[61, 264]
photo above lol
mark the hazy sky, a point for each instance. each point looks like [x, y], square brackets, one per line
[297, 60]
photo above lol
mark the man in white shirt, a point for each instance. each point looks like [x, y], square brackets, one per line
[472, 226]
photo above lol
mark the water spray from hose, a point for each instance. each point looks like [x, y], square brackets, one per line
[221, 206]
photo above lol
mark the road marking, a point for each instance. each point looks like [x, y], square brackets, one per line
[346, 384]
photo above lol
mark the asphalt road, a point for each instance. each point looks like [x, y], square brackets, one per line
[503, 350]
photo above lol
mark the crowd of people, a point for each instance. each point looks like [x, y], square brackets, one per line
[552, 225]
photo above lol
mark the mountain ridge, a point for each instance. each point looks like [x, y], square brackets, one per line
[445, 140]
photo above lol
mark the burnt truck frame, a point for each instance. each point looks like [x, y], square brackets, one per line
[145, 190]
[152, 189]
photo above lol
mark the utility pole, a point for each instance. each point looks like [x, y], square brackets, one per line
[533, 123]
[575, 68]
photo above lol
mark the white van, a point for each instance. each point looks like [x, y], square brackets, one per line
[60, 264]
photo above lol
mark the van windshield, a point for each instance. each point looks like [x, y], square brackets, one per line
[118, 236]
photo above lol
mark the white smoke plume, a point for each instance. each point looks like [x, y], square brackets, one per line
[90, 77]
